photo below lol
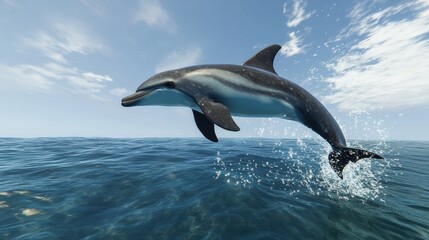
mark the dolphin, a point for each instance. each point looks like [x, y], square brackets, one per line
[217, 92]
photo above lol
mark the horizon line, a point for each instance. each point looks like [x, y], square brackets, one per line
[237, 138]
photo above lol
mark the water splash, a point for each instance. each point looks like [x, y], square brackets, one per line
[302, 164]
[282, 168]
[361, 180]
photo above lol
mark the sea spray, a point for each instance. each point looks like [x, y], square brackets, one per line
[305, 166]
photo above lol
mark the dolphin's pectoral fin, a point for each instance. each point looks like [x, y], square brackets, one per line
[218, 114]
[205, 126]
[264, 59]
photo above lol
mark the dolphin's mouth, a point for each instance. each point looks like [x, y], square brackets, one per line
[133, 99]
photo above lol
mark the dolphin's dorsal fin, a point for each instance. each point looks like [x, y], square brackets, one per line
[205, 126]
[264, 59]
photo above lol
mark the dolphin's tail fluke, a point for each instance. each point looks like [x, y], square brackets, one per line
[340, 157]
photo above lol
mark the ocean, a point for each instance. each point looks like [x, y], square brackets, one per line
[162, 188]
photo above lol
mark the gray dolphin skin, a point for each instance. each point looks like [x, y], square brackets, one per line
[217, 92]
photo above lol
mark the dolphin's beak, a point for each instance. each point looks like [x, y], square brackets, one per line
[133, 99]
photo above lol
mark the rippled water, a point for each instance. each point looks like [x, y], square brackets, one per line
[77, 188]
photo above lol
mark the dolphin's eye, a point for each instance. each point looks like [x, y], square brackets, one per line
[170, 84]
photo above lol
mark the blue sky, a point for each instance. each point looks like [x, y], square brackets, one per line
[65, 65]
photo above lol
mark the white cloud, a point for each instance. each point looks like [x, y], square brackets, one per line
[96, 6]
[53, 76]
[178, 59]
[24, 76]
[67, 37]
[293, 46]
[118, 91]
[9, 2]
[297, 14]
[362, 18]
[388, 68]
[154, 15]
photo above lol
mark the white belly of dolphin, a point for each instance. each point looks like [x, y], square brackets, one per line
[164, 97]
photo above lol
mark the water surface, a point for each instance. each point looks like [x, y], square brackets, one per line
[79, 188]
